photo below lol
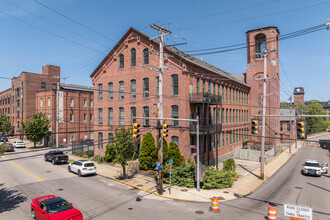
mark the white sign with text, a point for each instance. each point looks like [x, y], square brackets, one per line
[298, 211]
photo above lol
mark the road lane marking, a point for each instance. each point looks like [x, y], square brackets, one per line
[25, 170]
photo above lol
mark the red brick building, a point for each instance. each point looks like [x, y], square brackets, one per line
[126, 86]
[76, 105]
[259, 40]
[298, 95]
[287, 125]
[5, 106]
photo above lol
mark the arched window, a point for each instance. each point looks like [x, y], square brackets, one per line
[100, 140]
[175, 114]
[133, 57]
[121, 61]
[175, 84]
[146, 114]
[145, 56]
[260, 45]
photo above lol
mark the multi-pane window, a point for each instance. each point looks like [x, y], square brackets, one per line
[84, 117]
[41, 102]
[288, 127]
[223, 139]
[223, 93]
[100, 116]
[203, 86]
[121, 90]
[110, 138]
[281, 127]
[145, 87]
[100, 140]
[48, 101]
[133, 89]
[226, 115]
[230, 100]
[91, 103]
[145, 56]
[223, 115]
[100, 92]
[71, 118]
[175, 139]
[110, 91]
[110, 116]
[226, 94]
[71, 102]
[84, 103]
[133, 114]
[214, 88]
[229, 116]
[121, 116]
[197, 87]
[146, 114]
[90, 117]
[133, 57]
[43, 85]
[209, 87]
[175, 114]
[175, 84]
[121, 61]
[218, 91]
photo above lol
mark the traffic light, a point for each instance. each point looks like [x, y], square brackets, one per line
[254, 126]
[165, 130]
[136, 130]
[301, 129]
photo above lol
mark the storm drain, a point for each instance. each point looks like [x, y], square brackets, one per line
[298, 187]
[140, 185]
[59, 189]
[184, 190]
[199, 212]
[225, 192]
[48, 171]
[130, 208]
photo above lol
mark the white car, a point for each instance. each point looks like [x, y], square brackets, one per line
[82, 167]
[18, 144]
[312, 167]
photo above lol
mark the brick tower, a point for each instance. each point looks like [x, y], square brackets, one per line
[258, 40]
[298, 95]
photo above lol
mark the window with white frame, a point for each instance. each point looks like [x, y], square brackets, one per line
[145, 114]
[100, 116]
[100, 140]
[100, 92]
[121, 116]
[110, 91]
[110, 116]
[121, 90]
[41, 102]
[91, 103]
[71, 118]
[145, 87]
[91, 117]
[133, 89]
[71, 102]
[145, 56]
[175, 84]
[48, 101]
[84, 103]
[175, 139]
[121, 61]
[85, 117]
[175, 114]
[133, 114]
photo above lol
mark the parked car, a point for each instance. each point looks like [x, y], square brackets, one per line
[56, 157]
[3, 139]
[82, 167]
[312, 167]
[10, 147]
[52, 207]
[18, 144]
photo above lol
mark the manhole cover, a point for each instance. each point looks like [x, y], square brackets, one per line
[225, 192]
[199, 212]
[59, 189]
[140, 185]
[298, 187]
[130, 208]
[184, 190]
[48, 171]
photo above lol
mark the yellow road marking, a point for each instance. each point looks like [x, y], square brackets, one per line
[25, 170]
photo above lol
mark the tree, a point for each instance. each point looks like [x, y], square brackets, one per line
[314, 124]
[148, 153]
[110, 153]
[36, 128]
[173, 152]
[125, 146]
[3, 148]
[4, 124]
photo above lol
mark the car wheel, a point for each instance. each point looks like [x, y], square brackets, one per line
[45, 158]
[79, 173]
[53, 162]
[69, 169]
[302, 172]
[33, 214]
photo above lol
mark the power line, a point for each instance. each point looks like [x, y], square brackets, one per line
[71, 19]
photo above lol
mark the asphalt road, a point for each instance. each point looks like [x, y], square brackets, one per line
[25, 175]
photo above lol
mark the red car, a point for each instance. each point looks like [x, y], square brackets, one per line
[52, 207]
[10, 147]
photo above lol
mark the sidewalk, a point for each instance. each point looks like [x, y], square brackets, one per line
[246, 184]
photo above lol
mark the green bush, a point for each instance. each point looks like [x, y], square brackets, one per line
[217, 179]
[110, 152]
[148, 153]
[173, 152]
[85, 156]
[80, 153]
[99, 159]
[3, 148]
[229, 165]
[90, 153]
[183, 175]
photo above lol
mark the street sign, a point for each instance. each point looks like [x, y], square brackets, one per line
[170, 166]
[170, 161]
[193, 146]
[158, 165]
[298, 212]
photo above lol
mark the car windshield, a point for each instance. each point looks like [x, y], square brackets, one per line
[58, 206]
[89, 165]
[9, 144]
[58, 152]
[308, 164]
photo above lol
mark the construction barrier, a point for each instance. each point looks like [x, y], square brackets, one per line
[304, 143]
[307, 144]
[271, 212]
[214, 204]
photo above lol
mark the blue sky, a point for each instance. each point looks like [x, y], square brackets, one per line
[202, 24]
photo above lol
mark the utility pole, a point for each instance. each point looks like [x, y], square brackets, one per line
[57, 109]
[290, 125]
[162, 32]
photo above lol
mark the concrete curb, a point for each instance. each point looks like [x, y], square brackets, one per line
[145, 190]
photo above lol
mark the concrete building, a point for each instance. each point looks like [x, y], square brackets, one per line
[126, 86]
[76, 110]
[259, 40]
